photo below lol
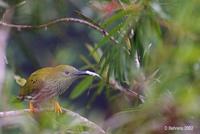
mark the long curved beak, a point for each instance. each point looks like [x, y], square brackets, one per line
[80, 73]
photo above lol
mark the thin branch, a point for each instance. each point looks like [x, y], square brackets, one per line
[85, 120]
[66, 19]
[13, 113]
[66, 111]
[115, 85]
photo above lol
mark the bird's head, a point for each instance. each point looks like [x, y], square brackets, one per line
[73, 73]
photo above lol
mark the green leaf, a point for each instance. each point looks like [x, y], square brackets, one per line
[81, 87]
[118, 16]
[95, 54]
[87, 19]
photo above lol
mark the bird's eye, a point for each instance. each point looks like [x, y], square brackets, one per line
[66, 72]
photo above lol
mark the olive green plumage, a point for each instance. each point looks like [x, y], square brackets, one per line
[47, 83]
[51, 81]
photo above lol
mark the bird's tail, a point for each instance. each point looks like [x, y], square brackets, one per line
[16, 99]
[20, 98]
[24, 98]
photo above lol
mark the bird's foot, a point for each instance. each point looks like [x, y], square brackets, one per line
[32, 108]
[57, 107]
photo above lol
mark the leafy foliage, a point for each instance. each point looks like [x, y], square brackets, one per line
[150, 72]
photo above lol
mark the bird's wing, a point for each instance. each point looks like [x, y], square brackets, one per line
[40, 88]
[33, 85]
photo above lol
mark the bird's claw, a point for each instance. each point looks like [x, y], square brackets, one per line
[32, 108]
[58, 108]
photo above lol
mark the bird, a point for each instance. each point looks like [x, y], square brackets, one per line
[45, 84]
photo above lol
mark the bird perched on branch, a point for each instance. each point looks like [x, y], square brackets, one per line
[47, 83]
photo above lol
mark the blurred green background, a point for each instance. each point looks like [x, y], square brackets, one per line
[161, 35]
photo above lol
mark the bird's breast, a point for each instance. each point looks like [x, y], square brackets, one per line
[62, 86]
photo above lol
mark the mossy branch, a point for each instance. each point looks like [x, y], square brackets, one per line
[89, 123]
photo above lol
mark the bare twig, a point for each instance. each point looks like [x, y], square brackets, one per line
[66, 19]
[115, 85]
[66, 111]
